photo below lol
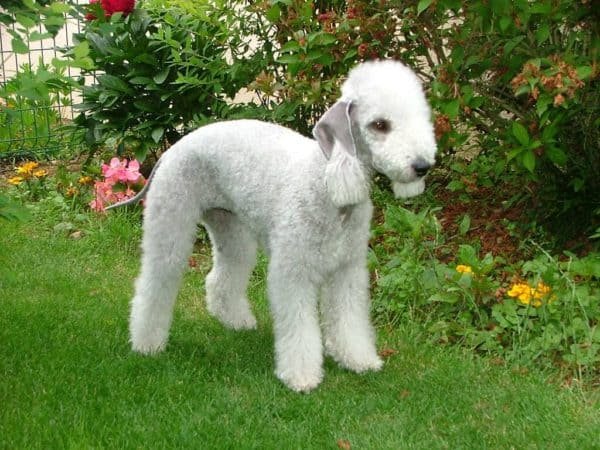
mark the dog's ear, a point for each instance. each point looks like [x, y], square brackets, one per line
[335, 126]
[346, 180]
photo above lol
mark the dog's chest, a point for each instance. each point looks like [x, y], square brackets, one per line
[344, 239]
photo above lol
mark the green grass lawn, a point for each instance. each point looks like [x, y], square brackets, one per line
[69, 380]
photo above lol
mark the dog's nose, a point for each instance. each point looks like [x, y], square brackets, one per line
[421, 167]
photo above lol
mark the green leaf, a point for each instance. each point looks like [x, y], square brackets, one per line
[540, 8]
[288, 59]
[351, 54]
[445, 298]
[113, 82]
[37, 36]
[57, 21]
[520, 132]
[98, 42]
[290, 46]
[423, 5]
[542, 104]
[18, 46]
[273, 13]
[321, 38]
[81, 50]
[144, 106]
[157, 134]
[542, 34]
[556, 155]
[30, 4]
[524, 89]
[59, 8]
[455, 185]
[465, 225]
[528, 160]
[512, 44]
[140, 80]
[313, 55]
[505, 22]
[452, 108]
[467, 255]
[584, 72]
[146, 59]
[25, 21]
[500, 7]
[505, 314]
[161, 76]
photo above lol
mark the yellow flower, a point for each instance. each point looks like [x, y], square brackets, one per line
[71, 191]
[27, 168]
[42, 173]
[461, 268]
[528, 295]
[520, 291]
[85, 180]
[541, 290]
[15, 181]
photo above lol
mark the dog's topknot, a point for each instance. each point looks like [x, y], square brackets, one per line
[384, 77]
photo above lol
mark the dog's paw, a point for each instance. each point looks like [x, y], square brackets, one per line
[243, 322]
[150, 344]
[304, 381]
[236, 316]
[375, 364]
[360, 365]
[147, 349]
[360, 357]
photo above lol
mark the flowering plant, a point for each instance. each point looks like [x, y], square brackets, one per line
[528, 295]
[31, 176]
[122, 179]
[109, 7]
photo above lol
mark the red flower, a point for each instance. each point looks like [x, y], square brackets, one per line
[362, 49]
[112, 6]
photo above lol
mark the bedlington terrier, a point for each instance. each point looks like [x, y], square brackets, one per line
[305, 202]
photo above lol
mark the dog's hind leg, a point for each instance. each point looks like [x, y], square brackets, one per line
[170, 229]
[234, 256]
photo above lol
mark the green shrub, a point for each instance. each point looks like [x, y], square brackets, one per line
[158, 71]
[522, 78]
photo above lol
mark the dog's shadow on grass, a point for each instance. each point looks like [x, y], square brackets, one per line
[211, 350]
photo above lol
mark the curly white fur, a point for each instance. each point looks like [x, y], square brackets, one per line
[305, 202]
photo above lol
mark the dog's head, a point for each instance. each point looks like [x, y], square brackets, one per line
[382, 121]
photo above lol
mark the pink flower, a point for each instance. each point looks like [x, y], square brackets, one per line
[120, 179]
[121, 171]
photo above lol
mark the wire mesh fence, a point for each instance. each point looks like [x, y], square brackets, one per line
[33, 114]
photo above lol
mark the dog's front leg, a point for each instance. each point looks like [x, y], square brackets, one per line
[298, 347]
[349, 335]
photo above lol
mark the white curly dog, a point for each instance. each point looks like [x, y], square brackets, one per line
[305, 202]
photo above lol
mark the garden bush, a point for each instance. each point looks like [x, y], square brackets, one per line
[158, 71]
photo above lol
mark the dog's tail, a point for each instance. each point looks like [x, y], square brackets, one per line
[140, 195]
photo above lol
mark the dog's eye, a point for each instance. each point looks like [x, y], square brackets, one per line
[381, 125]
